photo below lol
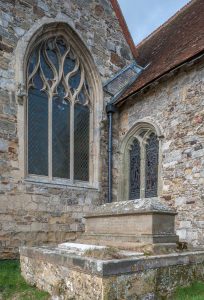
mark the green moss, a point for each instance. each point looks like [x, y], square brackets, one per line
[193, 292]
[13, 286]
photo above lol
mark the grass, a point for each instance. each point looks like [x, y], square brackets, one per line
[194, 292]
[14, 287]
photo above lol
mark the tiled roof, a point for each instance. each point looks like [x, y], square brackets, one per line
[176, 41]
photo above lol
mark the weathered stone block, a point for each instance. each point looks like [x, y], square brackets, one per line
[127, 224]
[69, 274]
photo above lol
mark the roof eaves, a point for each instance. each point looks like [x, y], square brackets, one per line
[198, 56]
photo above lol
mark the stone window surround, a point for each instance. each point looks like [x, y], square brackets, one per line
[134, 132]
[48, 27]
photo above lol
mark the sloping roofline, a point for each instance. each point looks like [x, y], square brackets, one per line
[164, 24]
[124, 27]
[180, 39]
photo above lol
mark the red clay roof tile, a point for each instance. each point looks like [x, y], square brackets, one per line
[176, 41]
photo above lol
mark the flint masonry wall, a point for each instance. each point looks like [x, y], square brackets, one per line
[34, 213]
[176, 105]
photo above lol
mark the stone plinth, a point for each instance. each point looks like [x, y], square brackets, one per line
[69, 274]
[131, 224]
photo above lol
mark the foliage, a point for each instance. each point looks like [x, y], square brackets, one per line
[14, 287]
[194, 292]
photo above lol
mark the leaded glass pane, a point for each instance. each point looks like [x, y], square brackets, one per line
[134, 181]
[37, 132]
[46, 69]
[151, 167]
[60, 137]
[74, 81]
[52, 55]
[54, 69]
[37, 81]
[32, 62]
[69, 65]
[81, 142]
[61, 45]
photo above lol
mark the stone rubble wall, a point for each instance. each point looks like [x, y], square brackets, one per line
[144, 282]
[38, 213]
[176, 105]
[61, 282]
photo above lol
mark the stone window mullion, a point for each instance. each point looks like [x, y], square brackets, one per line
[50, 136]
[72, 143]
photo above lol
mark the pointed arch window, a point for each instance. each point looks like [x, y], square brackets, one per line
[58, 112]
[143, 165]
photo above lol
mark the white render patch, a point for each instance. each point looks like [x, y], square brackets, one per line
[3, 145]
[19, 31]
[79, 247]
[131, 253]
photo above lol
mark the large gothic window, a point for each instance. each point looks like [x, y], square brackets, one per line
[58, 112]
[143, 165]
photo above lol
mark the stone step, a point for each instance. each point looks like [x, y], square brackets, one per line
[131, 246]
[129, 238]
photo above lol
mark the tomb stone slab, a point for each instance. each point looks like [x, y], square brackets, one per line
[128, 224]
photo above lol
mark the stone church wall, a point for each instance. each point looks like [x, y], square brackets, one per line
[176, 105]
[38, 213]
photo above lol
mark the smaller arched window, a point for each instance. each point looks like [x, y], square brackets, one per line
[58, 112]
[140, 171]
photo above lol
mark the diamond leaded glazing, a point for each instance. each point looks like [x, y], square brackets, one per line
[151, 166]
[143, 165]
[58, 112]
[134, 182]
[37, 132]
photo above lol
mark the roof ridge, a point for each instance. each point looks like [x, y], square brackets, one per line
[166, 23]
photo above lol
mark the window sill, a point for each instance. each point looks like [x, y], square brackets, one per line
[60, 183]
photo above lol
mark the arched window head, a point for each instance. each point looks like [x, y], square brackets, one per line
[58, 112]
[143, 165]
[140, 163]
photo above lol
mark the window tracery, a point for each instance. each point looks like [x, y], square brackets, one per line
[58, 112]
[140, 162]
[143, 165]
